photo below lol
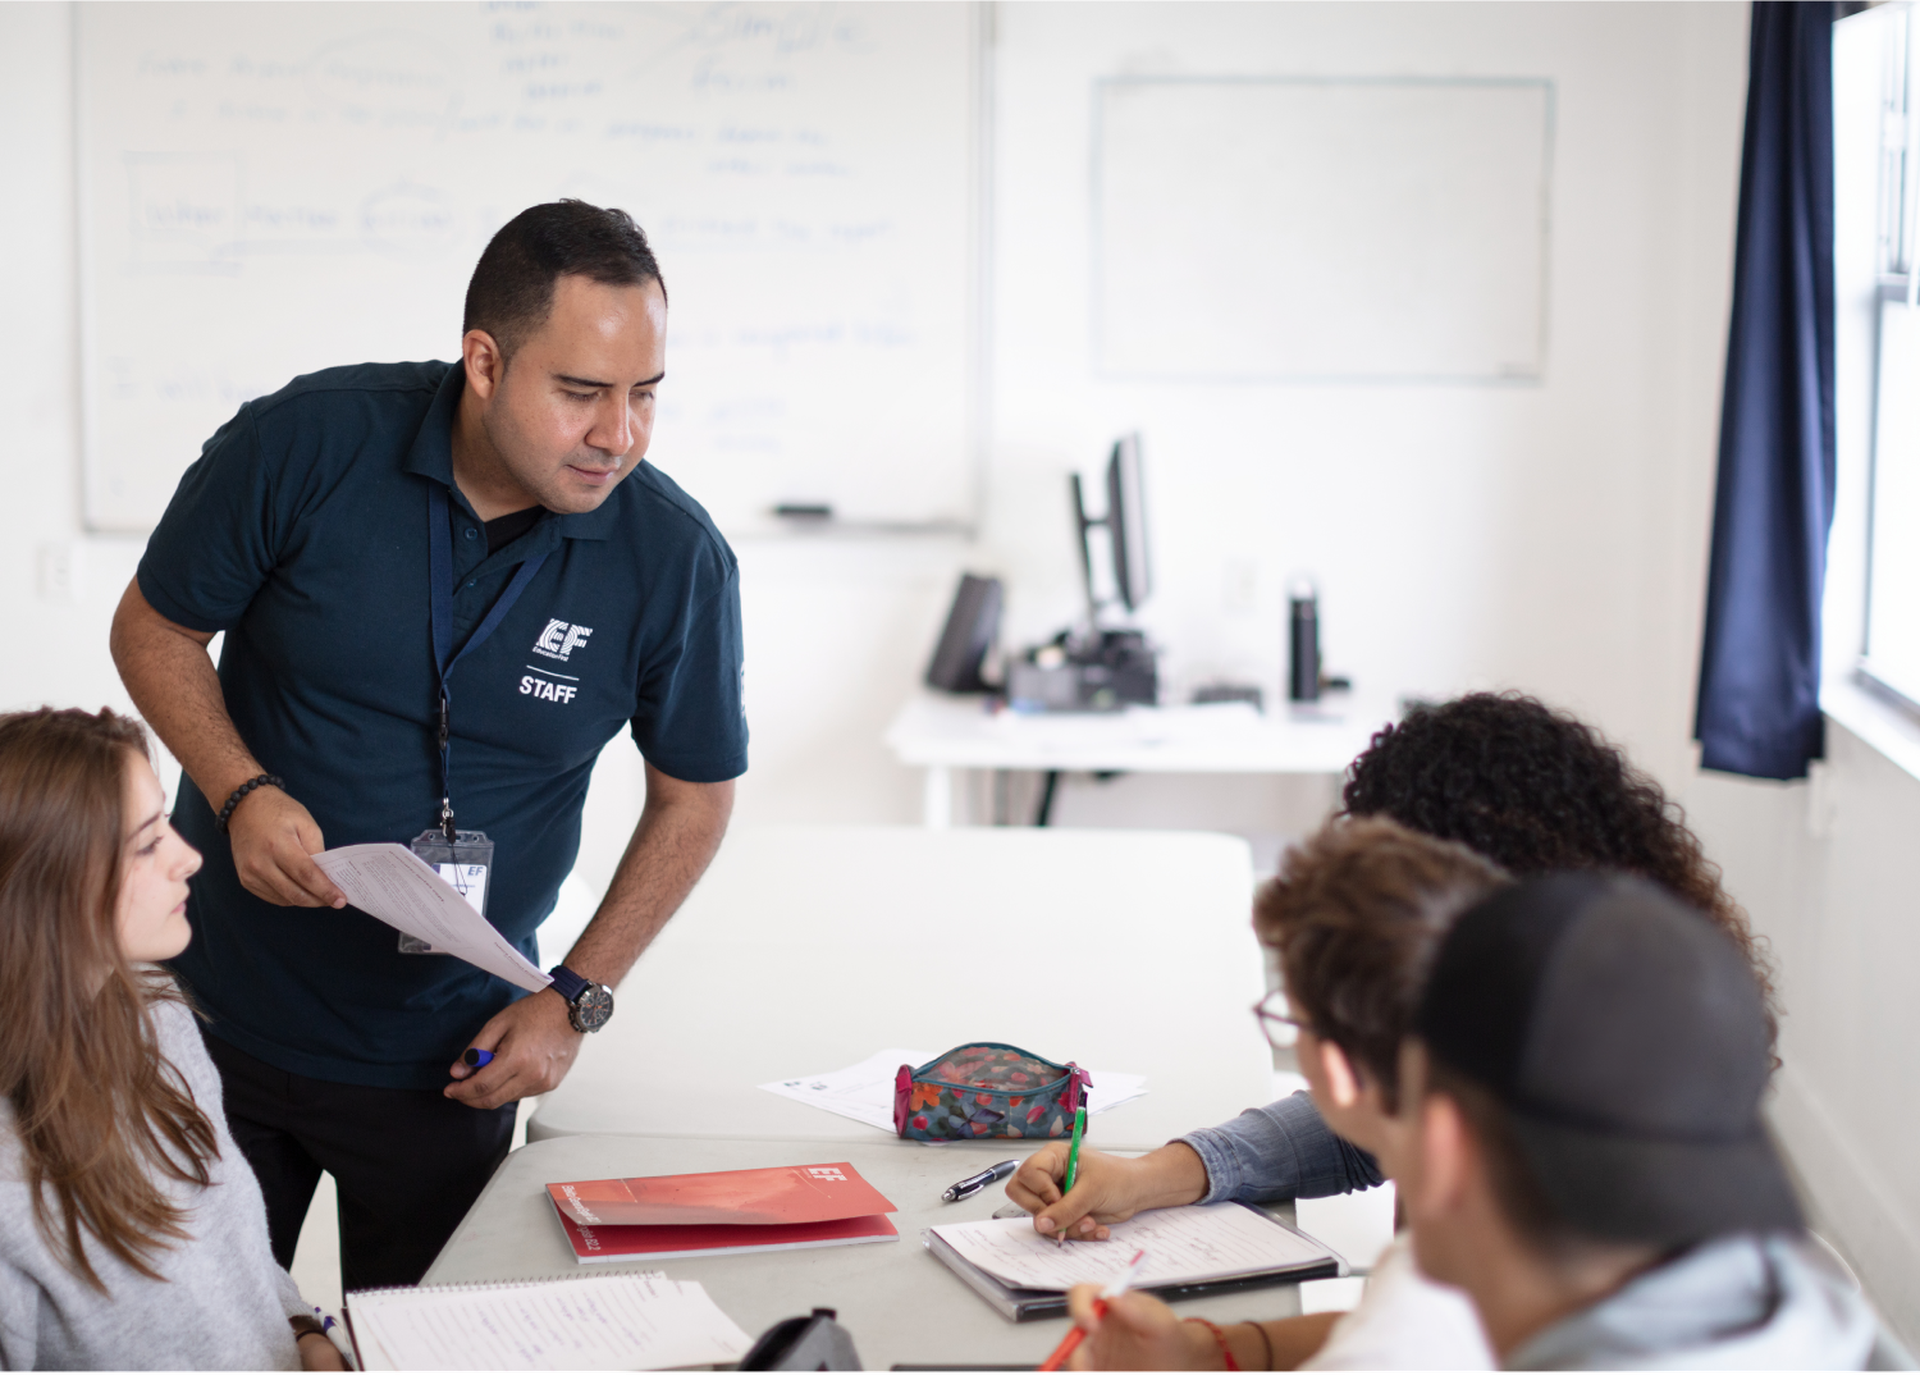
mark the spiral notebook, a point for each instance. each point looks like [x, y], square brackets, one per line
[628, 1320]
[1191, 1252]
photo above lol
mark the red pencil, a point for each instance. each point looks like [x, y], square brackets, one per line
[1078, 1334]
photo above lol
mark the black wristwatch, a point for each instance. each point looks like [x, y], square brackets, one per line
[588, 1003]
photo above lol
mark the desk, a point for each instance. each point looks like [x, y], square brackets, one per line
[900, 1304]
[807, 949]
[944, 733]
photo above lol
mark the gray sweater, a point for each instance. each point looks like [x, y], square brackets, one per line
[1733, 1303]
[225, 1302]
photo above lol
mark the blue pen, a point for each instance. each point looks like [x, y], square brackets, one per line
[971, 1185]
[477, 1058]
[338, 1335]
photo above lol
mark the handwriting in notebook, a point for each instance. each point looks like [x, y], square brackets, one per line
[597, 1322]
[1183, 1245]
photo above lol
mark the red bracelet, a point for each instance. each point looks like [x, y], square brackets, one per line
[1220, 1337]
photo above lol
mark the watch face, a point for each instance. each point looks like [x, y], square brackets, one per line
[590, 1010]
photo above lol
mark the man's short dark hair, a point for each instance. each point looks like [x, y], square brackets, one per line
[511, 292]
[1356, 914]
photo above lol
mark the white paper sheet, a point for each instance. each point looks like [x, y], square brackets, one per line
[634, 1321]
[1183, 1244]
[864, 1092]
[389, 883]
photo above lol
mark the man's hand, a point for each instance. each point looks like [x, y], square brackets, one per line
[173, 684]
[274, 840]
[1138, 1333]
[533, 1044]
[1106, 1188]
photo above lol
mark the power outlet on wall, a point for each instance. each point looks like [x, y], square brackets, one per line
[60, 573]
[1823, 801]
[1240, 585]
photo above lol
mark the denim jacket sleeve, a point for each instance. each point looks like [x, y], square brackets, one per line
[1280, 1151]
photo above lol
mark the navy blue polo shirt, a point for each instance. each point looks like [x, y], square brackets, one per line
[302, 533]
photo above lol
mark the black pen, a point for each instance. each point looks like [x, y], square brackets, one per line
[967, 1187]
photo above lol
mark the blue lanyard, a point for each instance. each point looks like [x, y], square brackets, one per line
[440, 559]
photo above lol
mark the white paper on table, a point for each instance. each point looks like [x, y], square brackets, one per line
[390, 883]
[864, 1092]
[1183, 1244]
[631, 1321]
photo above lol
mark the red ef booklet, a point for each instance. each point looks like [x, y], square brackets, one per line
[714, 1214]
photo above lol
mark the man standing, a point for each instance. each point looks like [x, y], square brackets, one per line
[444, 588]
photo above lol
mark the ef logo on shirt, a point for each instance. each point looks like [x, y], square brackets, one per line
[557, 642]
[559, 639]
[827, 1171]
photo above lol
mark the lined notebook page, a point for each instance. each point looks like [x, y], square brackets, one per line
[1184, 1245]
[628, 1321]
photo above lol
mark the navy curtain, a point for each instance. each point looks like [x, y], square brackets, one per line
[1759, 707]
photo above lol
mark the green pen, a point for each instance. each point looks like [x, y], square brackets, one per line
[1073, 1154]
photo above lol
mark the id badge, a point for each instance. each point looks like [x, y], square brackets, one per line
[466, 865]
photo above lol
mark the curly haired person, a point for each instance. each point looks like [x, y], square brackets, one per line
[1528, 787]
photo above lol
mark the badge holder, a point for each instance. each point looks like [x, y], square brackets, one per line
[466, 865]
[462, 857]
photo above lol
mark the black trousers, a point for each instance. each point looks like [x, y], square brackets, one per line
[408, 1163]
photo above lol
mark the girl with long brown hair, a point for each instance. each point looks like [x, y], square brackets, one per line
[132, 1233]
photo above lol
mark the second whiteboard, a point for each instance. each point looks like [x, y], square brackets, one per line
[1308, 228]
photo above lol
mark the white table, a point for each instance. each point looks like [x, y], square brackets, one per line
[946, 733]
[899, 1303]
[808, 949]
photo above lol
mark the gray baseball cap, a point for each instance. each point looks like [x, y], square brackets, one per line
[1625, 1038]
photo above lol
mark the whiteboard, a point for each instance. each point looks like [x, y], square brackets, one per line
[1314, 228]
[270, 189]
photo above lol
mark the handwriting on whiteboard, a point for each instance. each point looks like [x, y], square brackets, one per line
[301, 189]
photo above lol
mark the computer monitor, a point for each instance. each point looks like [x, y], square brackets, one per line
[1126, 526]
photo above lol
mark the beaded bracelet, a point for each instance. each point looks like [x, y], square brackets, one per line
[1220, 1337]
[226, 811]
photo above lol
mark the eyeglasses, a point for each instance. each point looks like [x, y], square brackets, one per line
[1277, 1021]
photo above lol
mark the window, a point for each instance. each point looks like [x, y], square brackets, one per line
[1892, 650]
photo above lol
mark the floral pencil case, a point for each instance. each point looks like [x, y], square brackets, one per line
[983, 1091]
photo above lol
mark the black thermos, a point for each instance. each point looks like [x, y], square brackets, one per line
[1303, 645]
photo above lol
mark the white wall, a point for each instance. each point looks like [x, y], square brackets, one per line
[1549, 537]
[1830, 873]
[56, 650]
[1552, 537]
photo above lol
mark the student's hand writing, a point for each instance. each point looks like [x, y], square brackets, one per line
[317, 1353]
[1138, 1333]
[1103, 1191]
[1106, 1188]
[274, 839]
[533, 1045]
